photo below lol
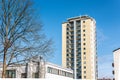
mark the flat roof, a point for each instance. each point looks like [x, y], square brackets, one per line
[58, 66]
[78, 17]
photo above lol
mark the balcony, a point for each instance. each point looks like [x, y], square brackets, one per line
[71, 29]
[70, 47]
[78, 37]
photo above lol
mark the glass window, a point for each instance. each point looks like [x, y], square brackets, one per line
[84, 44]
[49, 70]
[63, 73]
[10, 73]
[84, 48]
[83, 34]
[85, 77]
[84, 39]
[84, 67]
[24, 75]
[84, 71]
[83, 21]
[84, 53]
[83, 30]
[35, 75]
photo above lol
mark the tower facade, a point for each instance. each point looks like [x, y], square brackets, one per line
[79, 47]
[116, 58]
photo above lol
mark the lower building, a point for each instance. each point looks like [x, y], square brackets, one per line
[38, 69]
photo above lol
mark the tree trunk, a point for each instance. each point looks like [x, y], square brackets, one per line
[4, 63]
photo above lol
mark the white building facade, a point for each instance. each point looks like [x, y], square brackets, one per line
[38, 69]
[116, 56]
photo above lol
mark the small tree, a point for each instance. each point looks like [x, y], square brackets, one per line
[21, 34]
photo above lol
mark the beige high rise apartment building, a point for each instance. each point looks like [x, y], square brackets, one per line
[79, 47]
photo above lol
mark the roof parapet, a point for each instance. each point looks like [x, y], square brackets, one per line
[81, 17]
[116, 49]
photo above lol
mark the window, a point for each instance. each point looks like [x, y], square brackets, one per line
[49, 70]
[84, 44]
[85, 72]
[24, 75]
[85, 77]
[10, 73]
[83, 34]
[84, 53]
[67, 54]
[67, 28]
[84, 48]
[78, 31]
[72, 32]
[84, 39]
[84, 67]
[84, 62]
[83, 30]
[67, 37]
[67, 50]
[67, 32]
[63, 73]
[83, 21]
[72, 36]
[35, 75]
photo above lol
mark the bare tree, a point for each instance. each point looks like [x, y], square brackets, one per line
[21, 35]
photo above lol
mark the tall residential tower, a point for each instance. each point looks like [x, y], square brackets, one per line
[79, 47]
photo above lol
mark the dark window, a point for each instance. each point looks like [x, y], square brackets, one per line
[84, 44]
[84, 67]
[67, 37]
[84, 53]
[83, 34]
[83, 21]
[84, 48]
[67, 28]
[84, 39]
[72, 36]
[67, 54]
[67, 32]
[84, 71]
[83, 30]
[24, 75]
[78, 31]
[10, 73]
[85, 77]
[35, 75]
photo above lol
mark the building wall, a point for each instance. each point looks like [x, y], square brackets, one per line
[56, 77]
[116, 54]
[89, 59]
[42, 68]
[64, 45]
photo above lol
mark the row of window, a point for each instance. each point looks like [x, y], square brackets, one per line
[12, 74]
[59, 72]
